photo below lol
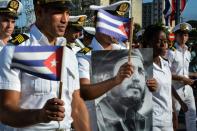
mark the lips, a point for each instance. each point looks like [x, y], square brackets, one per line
[9, 30]
[135, 90]
[62, 28]
[134, 87]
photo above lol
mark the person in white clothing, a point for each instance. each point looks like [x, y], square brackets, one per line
[179, 61]
[30, 103]
[75, 31]
[162, 97]
[8, 16]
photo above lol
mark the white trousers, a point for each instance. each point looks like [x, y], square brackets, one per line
[186, 94]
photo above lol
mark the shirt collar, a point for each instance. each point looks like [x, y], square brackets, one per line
[163, 64]
[96, 45]
[2, 43]
[39, 36]
[179, 48]
[42, 39]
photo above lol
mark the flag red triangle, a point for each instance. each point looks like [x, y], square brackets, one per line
[54, 62]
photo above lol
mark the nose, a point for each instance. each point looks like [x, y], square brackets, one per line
[135, 77]
[65, 17]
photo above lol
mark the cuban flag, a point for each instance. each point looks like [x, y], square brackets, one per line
[41, 61]
[170, 10]
[111, 25]
[167, 11]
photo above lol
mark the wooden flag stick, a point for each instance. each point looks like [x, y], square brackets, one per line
[60, 90]
[131, 33]
[130, 39]
[62, 73]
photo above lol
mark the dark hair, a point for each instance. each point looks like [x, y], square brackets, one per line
[181, 32]
[149, 34]
[35, 3]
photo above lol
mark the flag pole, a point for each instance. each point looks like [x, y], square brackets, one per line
[62, 73]
[131, 33]
[130, 39]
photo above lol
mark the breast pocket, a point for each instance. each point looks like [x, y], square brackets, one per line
[41, 86]
[37, 86]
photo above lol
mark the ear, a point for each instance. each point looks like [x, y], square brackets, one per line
[38, 12]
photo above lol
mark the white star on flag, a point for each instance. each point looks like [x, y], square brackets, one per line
[53, 63]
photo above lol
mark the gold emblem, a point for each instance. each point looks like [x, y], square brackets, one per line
[85, 50]
[81, 20]
[121, 9]
[184, 27]
[13, 4]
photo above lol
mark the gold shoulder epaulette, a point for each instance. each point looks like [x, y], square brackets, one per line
[85, 50]
[18, 39]
[172, 48]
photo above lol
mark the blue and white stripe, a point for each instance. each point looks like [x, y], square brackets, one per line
[109, 24]
[31, 59]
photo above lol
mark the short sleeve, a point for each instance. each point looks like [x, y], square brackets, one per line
[9, 78]
[84, 67]
[170, 57]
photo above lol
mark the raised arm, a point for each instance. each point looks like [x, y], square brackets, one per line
[92, 91]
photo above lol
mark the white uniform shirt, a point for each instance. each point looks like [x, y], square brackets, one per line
[85, 60]
[36, 91]
[2, 44]
[179, 62]
[162, 98]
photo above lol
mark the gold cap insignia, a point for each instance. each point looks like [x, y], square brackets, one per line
[81, 20]
[13, 6]
[184, 27]
[121, 9]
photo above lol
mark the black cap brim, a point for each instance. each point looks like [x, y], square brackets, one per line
[182, 32]
[66, 5]
[74, 27]
[6, 12]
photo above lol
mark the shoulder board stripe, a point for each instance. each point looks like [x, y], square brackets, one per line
[18, 39]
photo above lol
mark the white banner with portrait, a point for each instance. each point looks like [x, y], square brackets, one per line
[128, 106]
